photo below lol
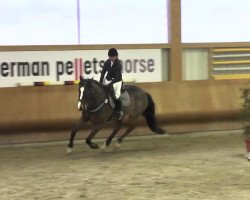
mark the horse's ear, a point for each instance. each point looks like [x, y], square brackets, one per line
[81, 78]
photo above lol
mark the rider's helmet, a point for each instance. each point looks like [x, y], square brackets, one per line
[112, 52]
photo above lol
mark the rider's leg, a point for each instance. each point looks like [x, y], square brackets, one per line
[119, 108]
[117, 91]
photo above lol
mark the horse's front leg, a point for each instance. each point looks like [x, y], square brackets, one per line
[92, 134]
[73, 133]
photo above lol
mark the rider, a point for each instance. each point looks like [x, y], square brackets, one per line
[113, 78]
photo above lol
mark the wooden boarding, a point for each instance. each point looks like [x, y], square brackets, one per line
[231, 49]
[231, 76]
[231, 62]
[51, 109]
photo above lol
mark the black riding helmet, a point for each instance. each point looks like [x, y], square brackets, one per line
[112, 52]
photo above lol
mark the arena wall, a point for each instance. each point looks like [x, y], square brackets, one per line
[46, 108]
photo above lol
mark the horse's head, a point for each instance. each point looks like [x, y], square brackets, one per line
[88, 92]
[85, 93]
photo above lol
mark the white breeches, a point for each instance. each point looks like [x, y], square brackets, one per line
[117, 88]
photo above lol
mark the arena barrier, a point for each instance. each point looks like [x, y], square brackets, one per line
[231, 76]
[54, 108]
[231, 49]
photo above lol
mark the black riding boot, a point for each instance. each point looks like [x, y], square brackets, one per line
[118, 107]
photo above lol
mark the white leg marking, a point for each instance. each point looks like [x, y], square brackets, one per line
[117, 144]
[247, 156]
[103, 147]
[69, 150]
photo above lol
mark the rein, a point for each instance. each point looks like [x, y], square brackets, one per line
[98, 108]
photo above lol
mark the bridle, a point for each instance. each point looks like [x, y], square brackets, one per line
[86, 97]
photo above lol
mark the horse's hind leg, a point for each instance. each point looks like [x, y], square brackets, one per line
[72, 136]
[118, 126]
[131, 127]
[128, 130]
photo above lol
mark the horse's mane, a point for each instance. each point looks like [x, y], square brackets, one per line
[92, 80]
[97, 82]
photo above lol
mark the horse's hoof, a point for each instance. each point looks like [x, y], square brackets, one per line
[109, 149]
[117, 145]
[94, 146]
[69, 150]
[104, 146]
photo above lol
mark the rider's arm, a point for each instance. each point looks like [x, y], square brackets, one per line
[118, 73]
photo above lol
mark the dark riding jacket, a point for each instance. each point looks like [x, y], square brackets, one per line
[114, 73]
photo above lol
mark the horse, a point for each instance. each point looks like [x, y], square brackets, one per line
[94, 102]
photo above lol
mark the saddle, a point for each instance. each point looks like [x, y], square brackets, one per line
[125, 99]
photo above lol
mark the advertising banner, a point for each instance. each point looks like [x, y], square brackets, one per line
[140, 65]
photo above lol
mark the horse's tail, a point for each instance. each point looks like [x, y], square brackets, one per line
[149, 114]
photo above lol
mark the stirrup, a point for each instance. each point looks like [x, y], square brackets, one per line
[119, 115]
